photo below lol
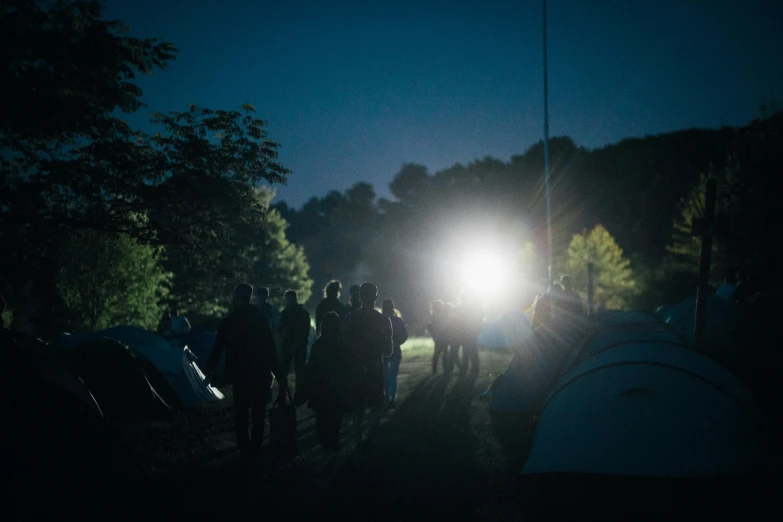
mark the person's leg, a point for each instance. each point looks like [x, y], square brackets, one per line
[435, 357]
[337, 422]
[376, 404]
[258, 416]
[386, 382]
[474, 358]
[448, 359]
[300, 359]
[394, 369]
[322, 426]
[241, 419]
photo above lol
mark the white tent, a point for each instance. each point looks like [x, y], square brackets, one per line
[634, 400]
[176, 364]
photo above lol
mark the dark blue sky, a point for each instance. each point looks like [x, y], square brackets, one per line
[353, 89]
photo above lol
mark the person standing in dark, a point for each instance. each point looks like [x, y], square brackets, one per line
[468, 320]
[330, 303]
[251, 360]
[294, 331]
[354, 302]
[268, 309]
[570, 299]
[391, 364]
[369, 336]
[438, 330]
[326, 381]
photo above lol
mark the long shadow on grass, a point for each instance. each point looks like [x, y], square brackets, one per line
[420, 465]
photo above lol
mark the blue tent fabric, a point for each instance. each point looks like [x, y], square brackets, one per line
[509, 331]
[720, 313]
[536, 366]
[635, 400]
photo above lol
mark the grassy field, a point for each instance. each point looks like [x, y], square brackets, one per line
[437, 455]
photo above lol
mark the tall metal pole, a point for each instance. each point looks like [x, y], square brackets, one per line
[546, 160]
[703, 227]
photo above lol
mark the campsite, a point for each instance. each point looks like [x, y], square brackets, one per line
[443, 260]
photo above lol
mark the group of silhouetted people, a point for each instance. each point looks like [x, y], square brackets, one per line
[352, 366]
[454, 328]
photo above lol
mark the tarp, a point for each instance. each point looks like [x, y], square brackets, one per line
[176, 364]
[634, 400]
[509, 331]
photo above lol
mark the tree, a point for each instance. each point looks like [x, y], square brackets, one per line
[257, 252]
[615, 283]
[69, 160]
[109, 280]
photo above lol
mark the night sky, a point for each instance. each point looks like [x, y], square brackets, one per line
[353, 89]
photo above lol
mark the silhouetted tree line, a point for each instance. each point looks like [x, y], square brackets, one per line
[636, 189]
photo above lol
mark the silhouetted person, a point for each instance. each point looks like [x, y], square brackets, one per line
[326, 381]
[391, 364]
[542, 310]
[294, 336]
[180, 326]
[355, 302]
[251, 359]
[571, 301]
[330, 303]
[438, 328]
[468, 322]
[369, 336]
[268, 309]
[729, 286]
[164, 326]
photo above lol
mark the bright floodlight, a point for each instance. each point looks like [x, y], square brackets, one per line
[484, 273]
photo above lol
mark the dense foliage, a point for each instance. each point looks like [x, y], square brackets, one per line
[70, 162]
[109, 280]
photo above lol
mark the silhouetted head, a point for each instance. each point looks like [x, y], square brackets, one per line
[565, 281]
[436, 307]
[354, 289]
[290, 298]
[242, 294]
[330, 325]
[262, 294]
[368, 293]
[332, 289]
[355, 300]
[388, 307]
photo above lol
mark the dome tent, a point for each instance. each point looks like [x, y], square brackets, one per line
[176, 364]
[117, 380]
[50, 367]
[65, 458]
[509, 331]
[636, 410]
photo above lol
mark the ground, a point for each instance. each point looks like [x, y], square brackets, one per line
[438, 455]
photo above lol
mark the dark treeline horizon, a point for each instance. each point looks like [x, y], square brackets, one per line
[634, 188]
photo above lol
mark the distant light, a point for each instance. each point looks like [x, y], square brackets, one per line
[486, 273]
